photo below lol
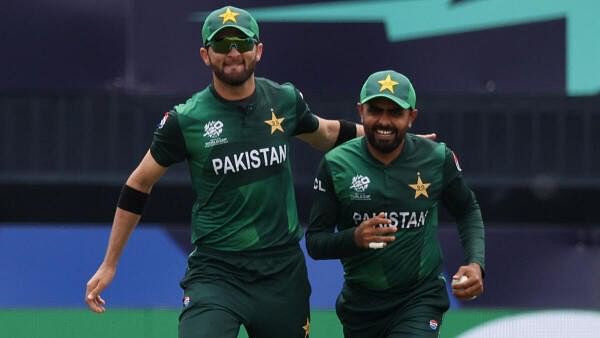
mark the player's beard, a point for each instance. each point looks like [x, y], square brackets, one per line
[384, 146]
[235, 79]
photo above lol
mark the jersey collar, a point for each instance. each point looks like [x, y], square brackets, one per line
[243, 103]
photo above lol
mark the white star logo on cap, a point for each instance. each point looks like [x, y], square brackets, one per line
[388, 84]
[229, 15]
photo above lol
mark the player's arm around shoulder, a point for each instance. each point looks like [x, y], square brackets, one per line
[127, 215]
[331, 133]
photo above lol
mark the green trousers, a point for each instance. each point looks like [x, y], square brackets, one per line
[267, 291]
[415, 313]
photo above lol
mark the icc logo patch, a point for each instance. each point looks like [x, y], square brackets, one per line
[360, 183]
[186, 301]
[213, 129]
[433, 324]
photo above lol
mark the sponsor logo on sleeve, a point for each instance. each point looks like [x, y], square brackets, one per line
[163, 121]
[318, 186]
[456, 161]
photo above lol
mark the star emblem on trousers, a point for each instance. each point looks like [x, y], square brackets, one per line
[306, 328]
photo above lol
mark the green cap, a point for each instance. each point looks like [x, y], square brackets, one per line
[391, 85]
[229, 16]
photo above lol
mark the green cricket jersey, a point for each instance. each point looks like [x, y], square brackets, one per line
[352, 186]
[238, 154]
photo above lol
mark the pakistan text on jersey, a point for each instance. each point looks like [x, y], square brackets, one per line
[400, 219]
[252, 159]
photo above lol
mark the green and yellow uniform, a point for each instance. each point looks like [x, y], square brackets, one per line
[399, 284]
[245, 226]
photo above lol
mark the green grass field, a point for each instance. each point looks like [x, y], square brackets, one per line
[156, 323]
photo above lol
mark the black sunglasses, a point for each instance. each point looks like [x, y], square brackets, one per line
[223, 46]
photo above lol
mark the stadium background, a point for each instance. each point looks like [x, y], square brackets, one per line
[513, 87]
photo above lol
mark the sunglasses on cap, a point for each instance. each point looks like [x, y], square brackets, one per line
[223, 46]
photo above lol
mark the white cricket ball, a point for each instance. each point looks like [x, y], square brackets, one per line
[461, 280]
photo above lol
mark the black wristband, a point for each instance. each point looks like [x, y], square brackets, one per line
[347, 132]
[132, 200]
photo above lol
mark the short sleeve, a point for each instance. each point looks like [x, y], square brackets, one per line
[168, 144]
[307, 121]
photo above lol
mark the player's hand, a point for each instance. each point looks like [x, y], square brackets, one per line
[374, 233]
[99, 281]
[470, 288]
[430, 136]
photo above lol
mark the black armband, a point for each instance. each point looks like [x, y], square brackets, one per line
[132, 200]
[347, 132]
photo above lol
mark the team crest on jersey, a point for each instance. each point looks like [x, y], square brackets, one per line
[420, 187]
[433, 324]
[275, 122]
[186, 301]
[360, 184]
[163, 121]
[213, 130]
